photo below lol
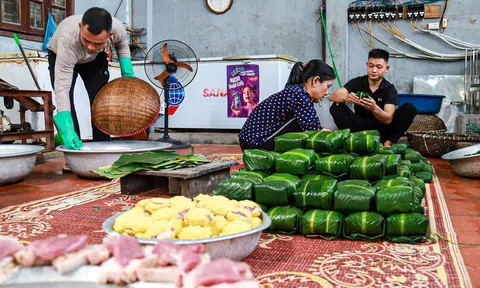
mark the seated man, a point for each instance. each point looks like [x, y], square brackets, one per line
[377, 110]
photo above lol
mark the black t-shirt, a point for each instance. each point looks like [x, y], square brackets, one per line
[385, 94]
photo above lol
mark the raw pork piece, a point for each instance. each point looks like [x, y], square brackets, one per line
[51, 248]
[123, 248]
[219, 271]
[113, 272]
[70, 261]
[8, 247]
[97, 254]
[27, 258]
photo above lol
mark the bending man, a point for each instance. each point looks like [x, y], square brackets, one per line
[77, 47]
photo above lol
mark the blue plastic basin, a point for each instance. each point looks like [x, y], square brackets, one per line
[425, 103]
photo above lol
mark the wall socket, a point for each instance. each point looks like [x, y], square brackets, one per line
[433, 26]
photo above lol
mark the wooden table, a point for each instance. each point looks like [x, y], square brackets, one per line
[188, 182]
[24, 97]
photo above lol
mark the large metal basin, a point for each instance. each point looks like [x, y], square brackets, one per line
[17, 161]
[99, 154]
[465, 162]
[235, 246]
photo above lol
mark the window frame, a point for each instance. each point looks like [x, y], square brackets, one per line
[23, 30]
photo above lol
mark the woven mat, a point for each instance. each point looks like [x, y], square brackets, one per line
[279, 260]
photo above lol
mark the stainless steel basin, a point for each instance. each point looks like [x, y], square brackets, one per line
[99, 154]
[465, 162]
[17, 161]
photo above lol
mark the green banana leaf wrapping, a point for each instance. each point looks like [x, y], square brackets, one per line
[296, 161]
[393, 200]
[407, 163]
[353, 198]
[285, 219]
[315, 194]
[419, 195]
[416, 182]
[425, 176]
[392, 164]
[237, 188]
[292, 180]
[290, 141]
[307, 177]
[333, 164]
[399, 181]
[418, 209]
[363, 183]
[321, 223]
[277, 189]
[385, 150]
[259, 160]
[362, 144]
[427, 167]
[413, 156]
[403, 171]
[367, 168]
[338, 138]
[417, 167]
[364, 226]
[399, 148]
[369, 132]
[318, 141]
[274, 193]
[249, 174]
[407, 228]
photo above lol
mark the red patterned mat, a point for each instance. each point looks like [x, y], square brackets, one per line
[279, 260]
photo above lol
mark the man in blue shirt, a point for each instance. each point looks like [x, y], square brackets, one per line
[375, 110]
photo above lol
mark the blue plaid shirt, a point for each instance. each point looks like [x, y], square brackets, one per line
[272, 113]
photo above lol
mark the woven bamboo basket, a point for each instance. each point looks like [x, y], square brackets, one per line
[437, 143]
[427, 122]
[125, 107]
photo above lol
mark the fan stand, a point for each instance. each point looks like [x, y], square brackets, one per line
[176, 144]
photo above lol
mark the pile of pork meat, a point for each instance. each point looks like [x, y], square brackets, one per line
[122, 260]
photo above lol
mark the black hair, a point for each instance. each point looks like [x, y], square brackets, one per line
[300, 74]
[97, 19]
[379, 54]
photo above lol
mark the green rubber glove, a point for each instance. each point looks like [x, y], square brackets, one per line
[126, 67]
[64, 123]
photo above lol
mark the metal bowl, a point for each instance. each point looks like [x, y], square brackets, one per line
[235, 246]
[465, 162]
[99, 154]
[17, 161]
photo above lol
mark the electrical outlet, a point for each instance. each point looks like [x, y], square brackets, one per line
[433, 26]
[444, 23]
[400, 11]
[363, 13]
[350, 13]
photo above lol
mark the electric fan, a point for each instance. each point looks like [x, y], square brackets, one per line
[171, 65]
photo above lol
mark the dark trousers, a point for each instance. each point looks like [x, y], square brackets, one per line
[94, 75]
[344, 118]
[269, 145]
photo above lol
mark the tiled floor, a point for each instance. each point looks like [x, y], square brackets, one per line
[462, 197]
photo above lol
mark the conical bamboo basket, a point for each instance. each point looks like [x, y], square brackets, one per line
[125, 107]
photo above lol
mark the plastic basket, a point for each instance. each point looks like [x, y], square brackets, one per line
[424, 103]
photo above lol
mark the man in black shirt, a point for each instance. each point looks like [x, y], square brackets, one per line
[377, 110]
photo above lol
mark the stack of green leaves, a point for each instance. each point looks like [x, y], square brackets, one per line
[153, 160]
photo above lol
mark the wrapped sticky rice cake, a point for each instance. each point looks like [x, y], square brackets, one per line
[259, 160]
[321, 223]
[364, 226]
[295, 162]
